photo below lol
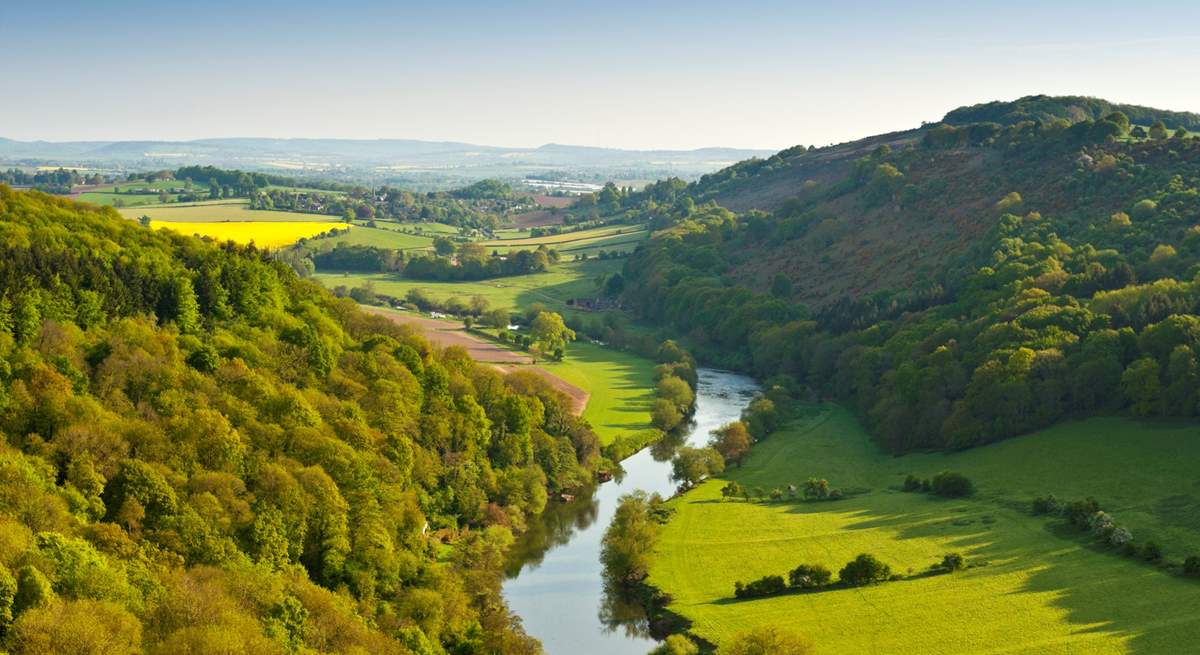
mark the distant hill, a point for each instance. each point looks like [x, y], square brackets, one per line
[381, 159]
[1071, 108]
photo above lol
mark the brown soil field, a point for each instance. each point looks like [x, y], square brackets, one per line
[554, 201]
[537, 218]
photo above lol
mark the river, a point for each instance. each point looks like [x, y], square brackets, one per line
[555, 581]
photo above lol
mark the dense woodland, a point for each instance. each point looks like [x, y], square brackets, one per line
[1082, 296]
[205, 453]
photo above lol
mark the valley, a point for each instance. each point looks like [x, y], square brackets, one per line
[794, 352]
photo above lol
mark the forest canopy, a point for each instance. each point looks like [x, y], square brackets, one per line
[203, 452]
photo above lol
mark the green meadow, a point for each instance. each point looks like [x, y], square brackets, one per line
[1037, 586]
[621, 385]
[553, 287]
[107, 196]
[622, 237]
[378, 237]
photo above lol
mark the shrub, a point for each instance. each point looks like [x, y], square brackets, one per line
[1078, 512]
[953, 562]
[733, 490]
[816, 489]
[809, 576]
[1046, 505]
[765, 586]
[1119, 537]
[767, 640]
[1191, 566]
[864, 570]
[1151, 552]
[1144, 209]
[1100, 523]
[951, 485]
[912, 483]
[676, 645]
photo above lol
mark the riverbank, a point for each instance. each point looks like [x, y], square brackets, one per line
[556, 581]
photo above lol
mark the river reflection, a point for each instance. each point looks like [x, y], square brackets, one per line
[555, 578]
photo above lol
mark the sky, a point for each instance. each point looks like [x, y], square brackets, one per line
[646, 75]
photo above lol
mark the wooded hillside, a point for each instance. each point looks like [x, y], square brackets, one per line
[203, 453]
[957, 284]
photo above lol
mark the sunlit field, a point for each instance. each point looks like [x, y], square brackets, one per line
[1038, 586]
[267, 234]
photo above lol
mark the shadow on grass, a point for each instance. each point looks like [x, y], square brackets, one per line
[1138, 607]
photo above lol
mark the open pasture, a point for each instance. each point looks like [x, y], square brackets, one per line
[552, 288]
[1037, 586]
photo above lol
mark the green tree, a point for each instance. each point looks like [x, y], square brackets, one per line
[33, 590]
[864, 570]
[630, 539]
[1158, 130]
[1142, 388]
[443, 247]
[691, 465]
[498, 318]
[732, 440]
[549, 332]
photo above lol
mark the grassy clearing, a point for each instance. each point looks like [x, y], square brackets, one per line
[1044, 589]
[266, 234]
[222, 211]
[621, 385]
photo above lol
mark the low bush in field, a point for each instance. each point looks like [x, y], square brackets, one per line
[947, 484]
[809, 576]
[764, 586]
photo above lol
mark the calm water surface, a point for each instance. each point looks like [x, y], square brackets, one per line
[555, 579]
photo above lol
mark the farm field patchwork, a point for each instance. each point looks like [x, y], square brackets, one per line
[561, 242]
[266, 234]
[1041, 587]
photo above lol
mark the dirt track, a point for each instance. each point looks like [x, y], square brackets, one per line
[445, 333]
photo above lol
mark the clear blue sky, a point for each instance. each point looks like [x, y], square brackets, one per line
[623, 74]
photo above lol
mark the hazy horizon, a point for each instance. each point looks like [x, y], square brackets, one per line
[676, 75]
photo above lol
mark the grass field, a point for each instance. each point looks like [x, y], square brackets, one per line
[266, 234]
[106, 196]
[1044, 588]
[378, 237]
[628, 236]
[621, 385]
[236, 210]
[553, 287]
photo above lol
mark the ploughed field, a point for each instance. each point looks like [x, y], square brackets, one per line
[1036, 584]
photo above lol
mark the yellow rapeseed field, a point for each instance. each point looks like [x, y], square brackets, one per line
[266, 234]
